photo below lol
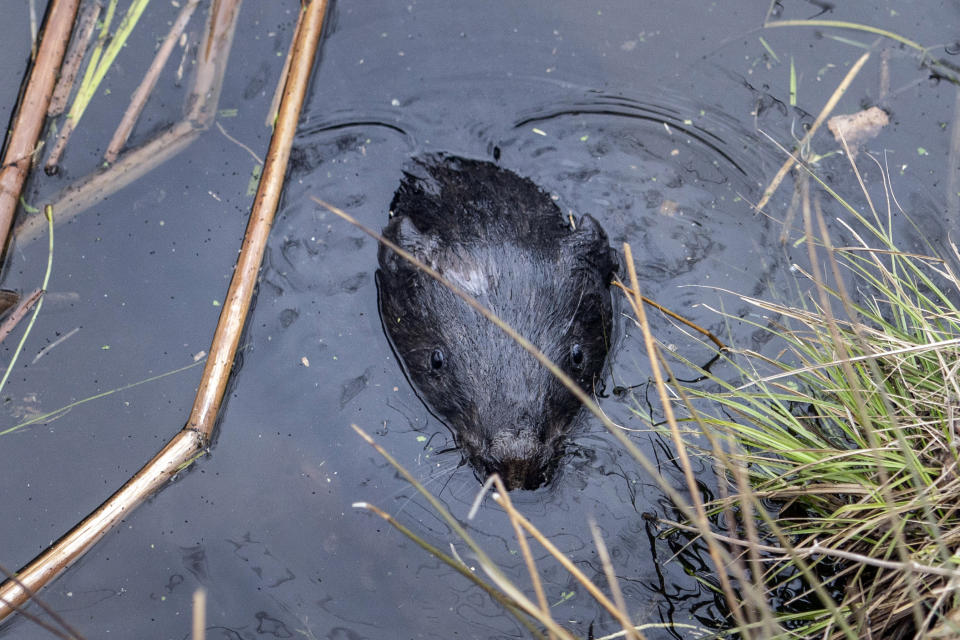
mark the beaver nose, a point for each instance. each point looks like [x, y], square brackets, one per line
[518, 456]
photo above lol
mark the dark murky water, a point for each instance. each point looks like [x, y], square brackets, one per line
[647, 116]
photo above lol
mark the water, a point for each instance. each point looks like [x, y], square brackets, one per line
[651, 118]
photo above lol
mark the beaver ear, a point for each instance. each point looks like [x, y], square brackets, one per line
[589, 230]
[591, 241]
[402, 232]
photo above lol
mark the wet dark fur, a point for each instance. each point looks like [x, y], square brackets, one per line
[504, 241]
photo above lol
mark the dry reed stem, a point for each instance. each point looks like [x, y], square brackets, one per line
[71, 65]
[142, 94]
[69, 548]
[190, 443]
[33, 109]
[227, 336]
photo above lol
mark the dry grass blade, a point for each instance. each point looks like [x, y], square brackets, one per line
[458, 529]
[824, 114]
[521, 538]
[699, 513]
[572, 569]
[65, 629]
[628, 629]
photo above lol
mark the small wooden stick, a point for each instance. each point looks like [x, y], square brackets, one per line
[71, 65]
[630, 292]
[142, 94]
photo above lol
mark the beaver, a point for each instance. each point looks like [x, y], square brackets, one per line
[504, 241]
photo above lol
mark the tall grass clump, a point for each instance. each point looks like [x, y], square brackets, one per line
[842, 450]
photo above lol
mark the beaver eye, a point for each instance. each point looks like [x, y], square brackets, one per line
[576, 356]
[436, 360]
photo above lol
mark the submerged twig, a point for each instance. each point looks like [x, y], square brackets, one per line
[17, 314]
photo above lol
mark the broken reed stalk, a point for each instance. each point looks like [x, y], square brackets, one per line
[201, 105]
[140, 96]
[32, 111]
[191, 441]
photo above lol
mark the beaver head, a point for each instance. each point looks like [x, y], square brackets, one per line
[502, 240]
